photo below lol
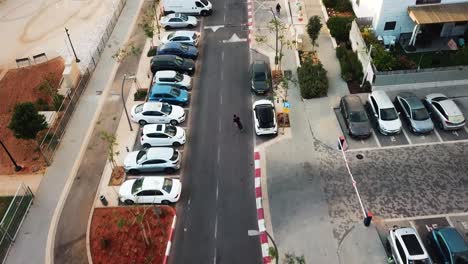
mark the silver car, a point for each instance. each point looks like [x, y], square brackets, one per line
[444, 111]
[152, 159]
[414, 112]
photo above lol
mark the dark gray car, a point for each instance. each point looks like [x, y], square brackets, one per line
[172, 62]
[355, 116]
[260, 75]
[414, 112]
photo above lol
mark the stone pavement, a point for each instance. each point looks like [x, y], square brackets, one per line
[33, 236]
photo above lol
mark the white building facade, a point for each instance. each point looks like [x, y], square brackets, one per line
[395, 17]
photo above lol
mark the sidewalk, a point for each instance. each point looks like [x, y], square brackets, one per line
[30, 245]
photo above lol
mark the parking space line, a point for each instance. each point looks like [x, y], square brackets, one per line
[406, 136]
[186, 108]
[466, 129]
[438, 135]
[413, 145]
[376, 138]
[424, 217]
[449, 221]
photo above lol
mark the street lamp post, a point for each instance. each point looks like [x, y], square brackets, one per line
[71, 44]
[123, 100]
[276, 42]
[257, 233]
[17, 167]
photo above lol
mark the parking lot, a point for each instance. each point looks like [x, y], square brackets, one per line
[407, 138]
[423, 226]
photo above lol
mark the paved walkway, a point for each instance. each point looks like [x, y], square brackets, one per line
[33, 235]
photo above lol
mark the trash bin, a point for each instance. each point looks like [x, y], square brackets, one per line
[103, 200]
[368, 219]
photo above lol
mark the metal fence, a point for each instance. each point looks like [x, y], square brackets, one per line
[54, 134]
[13, 218]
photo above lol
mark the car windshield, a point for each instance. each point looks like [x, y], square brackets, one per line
[179, 61]
[259, 76]
[205, 2]
[170, 35]
[175, 92]
[184, 48]
[420, 261]
[179, 77]
[167, 185]
[166, 108]
[141, 156]
[358, 117]
[170, 130]
[136, 187]
[175, 155]
[183, 17]
[420, 114]
[388, 114]
[139, 108]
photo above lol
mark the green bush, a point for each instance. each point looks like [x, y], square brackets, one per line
[26, 122]
[140, 95]
[339, 5]
[383, 60]
[313, 80]
[57, 101]
[41, 105]
[351, 68]
[340, 27]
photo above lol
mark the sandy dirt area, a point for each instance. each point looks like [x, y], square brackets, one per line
[21, 85]
[30, 27]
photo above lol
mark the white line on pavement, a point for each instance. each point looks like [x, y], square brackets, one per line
[413, 145]
[221, 99]
[189, 200]
[219, 154]
[376, 138]
[466, 129]
[406, 136]
[437, 135]
[216, 227]
[424, 217]
[449, 221]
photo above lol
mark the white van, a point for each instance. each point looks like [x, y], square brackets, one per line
[192, 7]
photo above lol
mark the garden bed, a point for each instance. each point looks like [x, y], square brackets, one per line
[116, 235]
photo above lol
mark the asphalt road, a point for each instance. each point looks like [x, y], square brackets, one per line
[217, 205]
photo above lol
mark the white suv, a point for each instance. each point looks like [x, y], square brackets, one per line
[407, 247]
[157, 113]
[179, 80]
[384, 112]
[157, 135]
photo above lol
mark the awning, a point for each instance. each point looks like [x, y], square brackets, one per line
[439, 13]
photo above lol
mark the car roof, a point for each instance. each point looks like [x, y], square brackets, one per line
[152, 182]
[151, 128]
[453, 239]
[165, 74]
[152, 106]
[413, 101]
[353, 103]
[161, 88]
[410, 240]
[159, 153]
[184, 33]
[450, 107]
[382, 99]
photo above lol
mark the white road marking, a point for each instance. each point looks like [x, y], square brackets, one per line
[222, 56]
[234, 38]
[449, 221]
[413, 145]
[216, 227]
[189, 200]
[221, 99]
[423, 217]
[376, 138]
[438, 135]
[214, 28]
[455, 133]
[219, 154]
[465, 128]
[406, 136]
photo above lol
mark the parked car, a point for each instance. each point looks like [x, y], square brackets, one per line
[180, 49]
[178, 20]
[414, 112]
[264, 117]
[157, 113]
[444, 111]
[182, 36]
[179, 80]
[355, 116]
[168, 94]
[158, 135]
[260, 77]
[406, 247]
[152, 159]
[154, 190]
[196, 7]
[172, 62]
[384, 112]
[449, 245]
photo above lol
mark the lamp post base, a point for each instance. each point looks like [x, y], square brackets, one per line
[18, 168]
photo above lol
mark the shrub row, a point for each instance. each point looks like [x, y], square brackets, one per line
[351, 68]
[339, 5]
[340, 27]
[313, 80]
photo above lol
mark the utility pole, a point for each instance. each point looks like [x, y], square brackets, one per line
[71, 44]
[17, 167]
[276, 42]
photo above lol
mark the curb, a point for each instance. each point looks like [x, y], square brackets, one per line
[169, 242]
[250, 21]
[260, 214]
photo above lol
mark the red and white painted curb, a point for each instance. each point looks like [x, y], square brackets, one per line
[169, 242]
[250, 13]
[260, 212]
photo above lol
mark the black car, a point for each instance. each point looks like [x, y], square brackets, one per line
[355, 116]
[179, 49]
[260, 76]
[172, 62]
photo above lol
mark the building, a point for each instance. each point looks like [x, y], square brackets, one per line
[415, 23]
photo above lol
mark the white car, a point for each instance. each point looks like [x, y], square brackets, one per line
[265, 118]
[179, 80]
[156, 135]
[178, 20]
[182, 36]
[445, 111]
[157, 113]
[384, 111]
[406, 247]
[150, 190]
[152, 159]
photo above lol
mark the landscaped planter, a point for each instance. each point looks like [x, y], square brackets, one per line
[116, 234]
